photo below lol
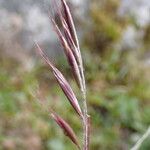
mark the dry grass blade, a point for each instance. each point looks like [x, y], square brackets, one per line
[66, 88]
[68, 131]
[141, 140]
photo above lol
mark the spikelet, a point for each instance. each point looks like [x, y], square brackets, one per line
[69, 29]
[66, 88]
[68, 131]
[69, 54]
[70, 40]
[69, 20]
[66, 29]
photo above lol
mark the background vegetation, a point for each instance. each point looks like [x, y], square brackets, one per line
[118, 90]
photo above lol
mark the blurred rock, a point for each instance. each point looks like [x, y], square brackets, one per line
[20, 24]
[131, 38]
[23, 22]
[139, 13]
[138, 9]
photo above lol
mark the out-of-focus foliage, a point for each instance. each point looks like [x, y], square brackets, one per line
[105, 26]
[118, 91]
[147, 36]
[25, 100]
[119, 84]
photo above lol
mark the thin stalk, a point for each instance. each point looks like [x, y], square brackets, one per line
[86, 123]
[86, 126]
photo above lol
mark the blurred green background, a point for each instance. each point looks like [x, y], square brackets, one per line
[117, 72]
